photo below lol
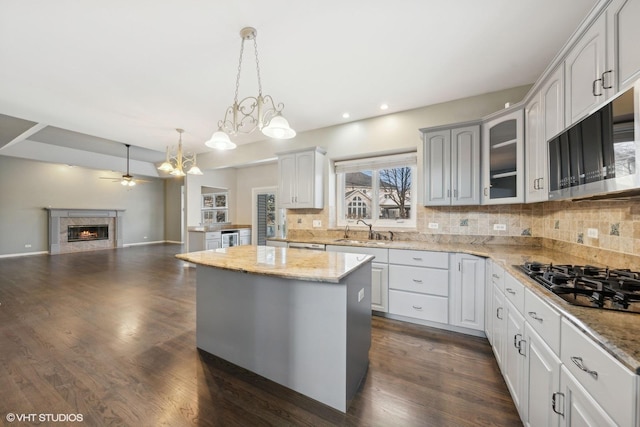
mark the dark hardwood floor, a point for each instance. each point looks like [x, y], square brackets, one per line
[111, 335]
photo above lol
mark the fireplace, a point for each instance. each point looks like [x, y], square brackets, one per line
[79, 230]
[82, 233]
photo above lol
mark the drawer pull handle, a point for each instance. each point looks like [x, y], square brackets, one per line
[580, 364]
[516, 341]
[553, 403]
[534, 316]
[511, 291]
[417, 258]
[416, 307]
[417, 280]
[498, 313]
[495, 276]
[521, 347]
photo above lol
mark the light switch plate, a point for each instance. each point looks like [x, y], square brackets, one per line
[500, 227]
[361, 295]
[592, 232]
[317, 223]
[433, 225]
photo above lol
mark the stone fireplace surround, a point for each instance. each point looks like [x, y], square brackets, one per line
[59, 219]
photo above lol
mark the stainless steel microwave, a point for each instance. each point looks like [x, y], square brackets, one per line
[596, 157]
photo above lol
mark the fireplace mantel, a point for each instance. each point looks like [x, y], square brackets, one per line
[56, 214]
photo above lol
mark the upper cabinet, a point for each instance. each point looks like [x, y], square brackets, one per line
[586, 75]
[623, 34]
[503, 159]
[544, 118]
[301, 178]
[452, 165]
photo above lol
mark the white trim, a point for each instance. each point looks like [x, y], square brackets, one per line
[24, 254]
[144, 243]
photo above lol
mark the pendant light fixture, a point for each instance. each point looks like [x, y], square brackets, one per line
[176, 163]
[250, 113]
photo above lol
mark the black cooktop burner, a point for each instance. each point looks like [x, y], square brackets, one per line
[589, 286]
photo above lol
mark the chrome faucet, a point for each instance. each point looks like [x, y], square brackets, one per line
[391, 235]
[368, 225]
[346, 231]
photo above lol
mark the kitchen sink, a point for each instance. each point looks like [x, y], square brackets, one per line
[361, 242]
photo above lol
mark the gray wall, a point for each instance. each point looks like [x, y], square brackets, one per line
[173, 209]
[27, 187]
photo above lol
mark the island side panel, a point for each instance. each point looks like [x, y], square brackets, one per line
[290, 331]
[358, 327]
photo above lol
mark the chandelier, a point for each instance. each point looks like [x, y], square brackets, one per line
[176, 163]
[251, 113]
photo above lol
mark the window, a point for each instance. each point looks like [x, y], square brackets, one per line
[378, 190]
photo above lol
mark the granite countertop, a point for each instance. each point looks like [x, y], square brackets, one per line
[216, 227]
[301, 264]
[615, 332]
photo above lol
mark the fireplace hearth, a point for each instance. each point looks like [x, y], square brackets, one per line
[82, 233]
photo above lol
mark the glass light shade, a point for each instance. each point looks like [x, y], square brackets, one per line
[279, 128]
[177, 172]
[194, 170]
[220, 141]
[166, 166]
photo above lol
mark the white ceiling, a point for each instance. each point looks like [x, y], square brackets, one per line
[126, 71]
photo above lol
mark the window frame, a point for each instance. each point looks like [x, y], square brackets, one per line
[375, 164]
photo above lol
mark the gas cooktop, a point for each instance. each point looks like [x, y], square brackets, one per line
[589, 286]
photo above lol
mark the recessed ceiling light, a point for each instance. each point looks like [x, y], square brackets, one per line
[383, 106]
[345, 115]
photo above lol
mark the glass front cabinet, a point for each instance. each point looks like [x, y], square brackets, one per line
[215, 208]
[503, 159]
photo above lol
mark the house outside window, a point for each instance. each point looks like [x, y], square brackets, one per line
[379, 190]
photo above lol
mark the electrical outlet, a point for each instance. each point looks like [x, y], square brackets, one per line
[433, 225]
[361, 295]
[592, 232]
[500, 227]
[317, 223]
[28, 245]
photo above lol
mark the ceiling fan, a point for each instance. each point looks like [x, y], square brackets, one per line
[127, 179]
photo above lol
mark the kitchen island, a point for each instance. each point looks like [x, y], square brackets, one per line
[299, 318]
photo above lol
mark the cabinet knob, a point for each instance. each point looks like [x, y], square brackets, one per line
[416, 307]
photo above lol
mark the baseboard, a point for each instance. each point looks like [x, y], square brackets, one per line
[24, 254]
[158, 242]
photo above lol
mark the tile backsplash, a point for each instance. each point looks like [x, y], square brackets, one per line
[616, 223]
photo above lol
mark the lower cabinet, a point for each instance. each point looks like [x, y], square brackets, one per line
[576, 406]
[498, 324]
[541, 381]
[466, 299]
[379, 273]
[514, 356]
[419, 284]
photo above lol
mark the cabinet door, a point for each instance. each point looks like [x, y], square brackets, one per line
[213, 244]
[514, 354]
[437, 168]
[498, 324]
[584, 67]
[466, 302]
[488, 300]
[578, 407]
[541, 381]
[465, 166]
[305, 175]
[553, 104]
[380, 286]
[503, 159]
[622, 43]
[534, 139]
[287, 180]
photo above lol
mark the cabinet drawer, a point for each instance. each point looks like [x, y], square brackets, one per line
[418, 279]
[419, 258]
[209, 235]
[612, 385]
[419, 306]
[514, 291]
[497, 276]
[544, 319]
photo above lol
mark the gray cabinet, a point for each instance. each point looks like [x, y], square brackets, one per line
[452, 165]
[503, 158]
[301, 179]
[623, 34]
[204, 240]
[466, 299]
[584, 67]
